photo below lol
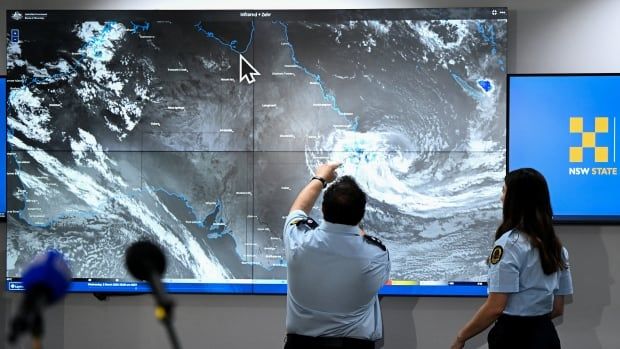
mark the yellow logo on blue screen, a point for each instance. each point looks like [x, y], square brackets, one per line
[588, 139]
[603, 153]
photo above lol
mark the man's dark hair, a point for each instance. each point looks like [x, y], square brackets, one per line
[344, 202]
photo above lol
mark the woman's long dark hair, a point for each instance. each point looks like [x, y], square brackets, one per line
[527, 207]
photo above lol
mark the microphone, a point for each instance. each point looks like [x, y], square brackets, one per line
[146, 261]
[46, 281]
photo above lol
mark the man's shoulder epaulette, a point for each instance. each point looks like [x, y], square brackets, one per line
[309, 222]
[375, 241]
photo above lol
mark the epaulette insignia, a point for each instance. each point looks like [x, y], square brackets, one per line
[375, 241]
[309, 222]
[496, 255]
[295, 221]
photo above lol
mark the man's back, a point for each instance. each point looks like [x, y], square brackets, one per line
[334, 275]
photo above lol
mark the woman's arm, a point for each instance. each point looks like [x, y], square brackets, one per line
[558, 307]
[484, 317]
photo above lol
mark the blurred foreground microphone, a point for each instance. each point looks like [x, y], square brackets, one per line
[146, 261]
[45, 281]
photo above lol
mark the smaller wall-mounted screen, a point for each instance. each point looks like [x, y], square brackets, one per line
[566, 126]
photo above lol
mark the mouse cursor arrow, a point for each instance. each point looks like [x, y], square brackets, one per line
[246, 70]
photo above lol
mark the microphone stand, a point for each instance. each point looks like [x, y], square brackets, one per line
[164, 314]
[37, 331]
[34, 322]
[163, 310]
[30, 318]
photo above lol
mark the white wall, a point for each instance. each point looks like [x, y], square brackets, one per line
[555, 36]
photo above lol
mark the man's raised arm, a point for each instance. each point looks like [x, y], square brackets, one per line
[326, 173]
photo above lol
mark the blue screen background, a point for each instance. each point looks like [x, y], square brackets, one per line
[540, 108]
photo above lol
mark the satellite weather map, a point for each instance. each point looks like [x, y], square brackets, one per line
[197, 129]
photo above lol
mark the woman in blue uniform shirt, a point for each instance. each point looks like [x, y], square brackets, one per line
[529, 273]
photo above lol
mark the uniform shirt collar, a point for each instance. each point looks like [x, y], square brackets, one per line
[339, 228]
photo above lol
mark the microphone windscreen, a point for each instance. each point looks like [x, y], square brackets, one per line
[143, 259]
[48, 272]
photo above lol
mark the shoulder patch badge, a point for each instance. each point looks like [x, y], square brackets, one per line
[496, 255]
[309, 222]
[374, 241]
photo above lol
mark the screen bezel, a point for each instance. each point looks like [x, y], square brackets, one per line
[457, 289]
[4, 108]
[557, 219]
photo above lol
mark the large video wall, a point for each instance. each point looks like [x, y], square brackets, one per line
[125, 125]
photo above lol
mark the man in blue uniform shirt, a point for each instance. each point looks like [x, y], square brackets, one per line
[334, 269]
